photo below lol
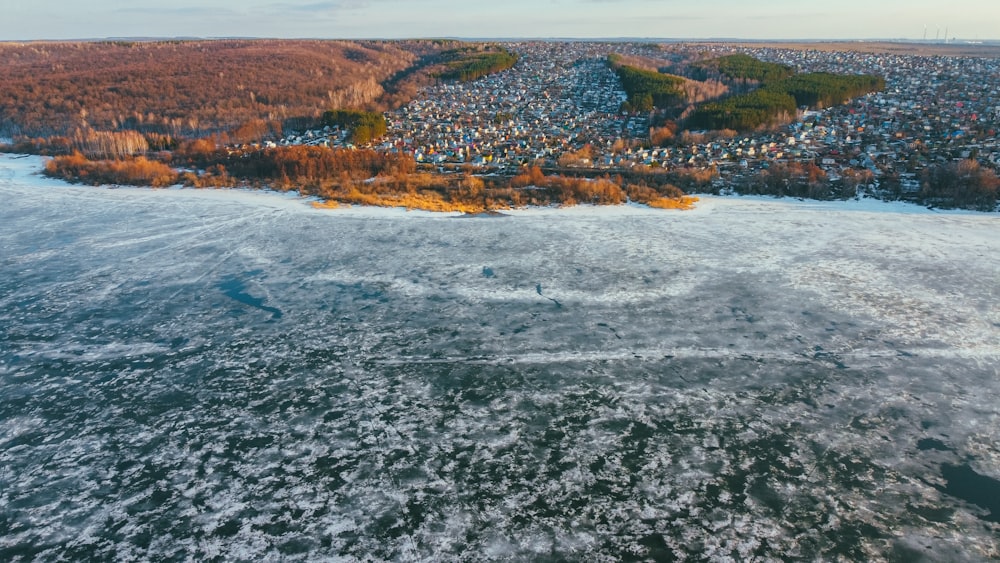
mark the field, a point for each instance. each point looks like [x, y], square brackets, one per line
[890, 48]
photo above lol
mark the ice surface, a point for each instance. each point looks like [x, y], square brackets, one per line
[756, 378]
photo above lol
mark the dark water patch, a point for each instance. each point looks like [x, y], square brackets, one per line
[928, 444]
[297, 546]
[766, 495]
[228, 529]
[488, 272]
[939, 514]
[902, 553]
[235, 289]
[656, 549]
[366, 291]
[963, 482]
[538, 289]
[850, 538]
[741, 313]
[823, 356]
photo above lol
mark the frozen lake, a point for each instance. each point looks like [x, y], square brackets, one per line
[235, 375]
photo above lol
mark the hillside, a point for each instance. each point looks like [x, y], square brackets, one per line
[194, 87]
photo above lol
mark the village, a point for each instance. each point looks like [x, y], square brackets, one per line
[560, 108]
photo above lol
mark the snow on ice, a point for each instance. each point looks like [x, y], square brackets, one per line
[754, 378]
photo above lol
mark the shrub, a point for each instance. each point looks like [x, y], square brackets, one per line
[132, 172]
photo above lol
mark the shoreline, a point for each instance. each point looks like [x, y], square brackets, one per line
[26, 170]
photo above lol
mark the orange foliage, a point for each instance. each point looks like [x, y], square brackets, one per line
[532, 176]
[666, 196]
[660, 136]
[189, 87]
[426, 201]
[581, 157]
[965, 184]
[110, 144]
[328, 204]
[683, 203]
[567, 191]
[370, 178]
[134, 172]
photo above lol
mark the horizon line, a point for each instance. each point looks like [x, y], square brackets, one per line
[623, 38]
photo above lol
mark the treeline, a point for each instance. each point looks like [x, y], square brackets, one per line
[364, 126]
[741, 68]
[965, 185]
[110, 144]
[777, 102]
[794, 179]
[312, 168]
[759, 108]
[822, 89]
[474, 194]
[647, 89]
[471, 63]
[138, 171]
[367, 177]
[281, 167]
[687, 91]
[95, 144]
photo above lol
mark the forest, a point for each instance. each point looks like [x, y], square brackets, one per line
[469, 63]
[777, 102]
[647, 89]
[822, 89]
[766, 93]
[119, 98]
[363, 126]
[740, 68]
[239, 91]
[764, 107]
[732, 92]
[193, 88]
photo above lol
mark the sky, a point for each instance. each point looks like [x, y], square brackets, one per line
[743, 19]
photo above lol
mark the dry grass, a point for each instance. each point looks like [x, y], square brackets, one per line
[329, 204]
[684, 203]
[139, 171]
[424, 201]
[433, 201]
